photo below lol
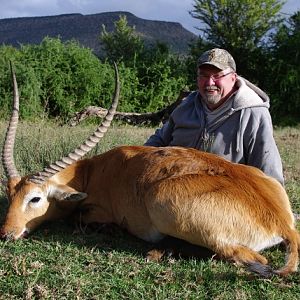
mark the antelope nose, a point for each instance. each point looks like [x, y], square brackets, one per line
[10, 235]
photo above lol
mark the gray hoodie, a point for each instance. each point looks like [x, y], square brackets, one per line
[240, 130]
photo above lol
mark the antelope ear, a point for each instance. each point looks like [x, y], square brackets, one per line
[75, 196]
[65, 193]
[11, 184]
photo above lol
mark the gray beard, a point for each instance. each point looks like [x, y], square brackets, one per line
[212, 99]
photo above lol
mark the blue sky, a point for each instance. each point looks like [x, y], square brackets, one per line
[163, 10]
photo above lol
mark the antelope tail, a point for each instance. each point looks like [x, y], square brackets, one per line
[292, 248]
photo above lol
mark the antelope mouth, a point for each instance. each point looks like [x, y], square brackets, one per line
[24, 234]
[12, 236]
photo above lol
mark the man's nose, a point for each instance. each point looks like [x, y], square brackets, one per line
[210, 81]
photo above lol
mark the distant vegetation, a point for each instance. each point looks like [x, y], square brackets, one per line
[57, 78]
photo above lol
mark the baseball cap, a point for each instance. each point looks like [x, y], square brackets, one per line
[217, 57]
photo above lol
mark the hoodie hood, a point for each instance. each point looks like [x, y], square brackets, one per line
[249, 95]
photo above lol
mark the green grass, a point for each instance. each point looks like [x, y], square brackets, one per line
[60, 261]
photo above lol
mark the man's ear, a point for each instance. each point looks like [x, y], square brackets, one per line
[66, 193]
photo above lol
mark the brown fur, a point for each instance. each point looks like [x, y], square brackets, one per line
[199, 197]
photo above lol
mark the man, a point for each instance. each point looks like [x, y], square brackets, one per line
[227, 116]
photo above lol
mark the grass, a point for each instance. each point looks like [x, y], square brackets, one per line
[60, 261]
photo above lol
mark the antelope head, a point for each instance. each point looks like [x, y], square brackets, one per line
[46, 195]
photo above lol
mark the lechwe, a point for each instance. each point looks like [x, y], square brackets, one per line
[234, 210]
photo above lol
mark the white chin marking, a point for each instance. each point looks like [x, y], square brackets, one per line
[23, 233]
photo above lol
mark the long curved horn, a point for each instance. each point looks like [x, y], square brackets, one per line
[85, 147]
[9, 142]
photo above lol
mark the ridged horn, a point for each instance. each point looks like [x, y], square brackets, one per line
[9, 142]
[86, 146]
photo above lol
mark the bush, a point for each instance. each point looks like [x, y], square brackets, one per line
[57, 79]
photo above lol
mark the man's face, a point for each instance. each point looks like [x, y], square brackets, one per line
[215, 85]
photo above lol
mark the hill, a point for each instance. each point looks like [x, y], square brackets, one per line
[86, 30]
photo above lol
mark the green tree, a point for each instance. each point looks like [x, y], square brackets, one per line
[55, 79]
[123, 43]
[240, 26]
[70, 76]
[152, 76]
[283, 76]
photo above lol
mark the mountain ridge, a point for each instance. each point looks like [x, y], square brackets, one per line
[86, 29]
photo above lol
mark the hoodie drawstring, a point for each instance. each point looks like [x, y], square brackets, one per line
[239, 138]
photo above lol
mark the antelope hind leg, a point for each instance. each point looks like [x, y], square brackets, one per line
[241, 254]
[254, 261]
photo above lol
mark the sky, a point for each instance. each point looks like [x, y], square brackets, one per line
[161, 10]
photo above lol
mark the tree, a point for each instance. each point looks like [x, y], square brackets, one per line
[240, 26]
[123, 43]
[55, 79]
[154, 76]
[284, 67]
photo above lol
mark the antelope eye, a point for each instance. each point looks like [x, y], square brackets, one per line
[35, 199]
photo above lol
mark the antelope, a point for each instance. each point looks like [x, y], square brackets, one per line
[235, 210]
